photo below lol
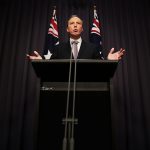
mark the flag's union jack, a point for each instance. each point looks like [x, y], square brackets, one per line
[53, 37]
[95, 33]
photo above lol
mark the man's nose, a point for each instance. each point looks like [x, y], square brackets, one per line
[75, 25]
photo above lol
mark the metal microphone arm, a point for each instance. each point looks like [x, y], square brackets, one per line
[65, 140]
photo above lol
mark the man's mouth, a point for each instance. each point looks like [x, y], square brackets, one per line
[75, 30]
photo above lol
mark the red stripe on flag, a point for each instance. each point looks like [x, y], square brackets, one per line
[54, 24]
[50, 32]
[95, 31]
[96, 22]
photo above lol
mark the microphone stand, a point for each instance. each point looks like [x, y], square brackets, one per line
[65, 142]
[73, 107]
[68, 140]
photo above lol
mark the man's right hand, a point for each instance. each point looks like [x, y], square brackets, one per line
[35, 56]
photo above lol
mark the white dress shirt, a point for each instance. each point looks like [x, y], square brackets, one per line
[79, 43]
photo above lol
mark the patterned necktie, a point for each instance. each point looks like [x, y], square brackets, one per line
[75, 49]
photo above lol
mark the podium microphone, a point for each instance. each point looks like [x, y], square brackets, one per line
[65, 140]
[72, 142]
[69, 129]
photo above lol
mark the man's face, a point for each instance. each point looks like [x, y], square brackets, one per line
[75, 27]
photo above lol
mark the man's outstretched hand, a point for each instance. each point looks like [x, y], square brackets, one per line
[35, 56]
[115, 55]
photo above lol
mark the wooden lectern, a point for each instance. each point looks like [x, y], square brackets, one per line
[92, 118]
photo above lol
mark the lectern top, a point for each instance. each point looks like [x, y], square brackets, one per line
[88, 70]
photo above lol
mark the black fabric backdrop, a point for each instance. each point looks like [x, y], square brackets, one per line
[23, 29]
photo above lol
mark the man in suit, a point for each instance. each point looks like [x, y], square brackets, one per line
[85, 50]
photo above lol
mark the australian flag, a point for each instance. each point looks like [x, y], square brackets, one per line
[52, 36]
[95, 33]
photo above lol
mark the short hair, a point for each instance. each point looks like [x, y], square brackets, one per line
[72, 16]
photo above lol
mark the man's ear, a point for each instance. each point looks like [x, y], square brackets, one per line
[67, 29]
[82, 29]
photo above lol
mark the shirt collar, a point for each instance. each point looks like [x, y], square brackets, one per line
[79, 40]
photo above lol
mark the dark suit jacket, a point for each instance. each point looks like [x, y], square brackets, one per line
[87, 51]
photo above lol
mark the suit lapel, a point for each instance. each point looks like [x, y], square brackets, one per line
[82, 50]
[68, 49]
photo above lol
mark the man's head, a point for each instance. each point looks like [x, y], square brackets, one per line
[74, 27]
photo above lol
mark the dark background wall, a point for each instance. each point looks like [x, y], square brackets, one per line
[23, 29]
